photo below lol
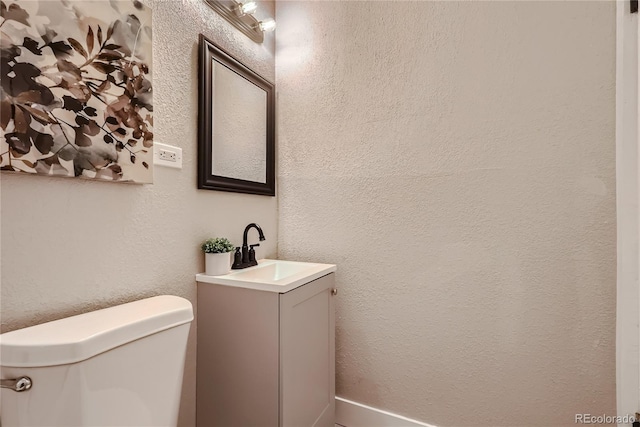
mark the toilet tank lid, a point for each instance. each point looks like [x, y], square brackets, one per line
[80, 337]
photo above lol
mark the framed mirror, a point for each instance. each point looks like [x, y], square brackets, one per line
[236, 136]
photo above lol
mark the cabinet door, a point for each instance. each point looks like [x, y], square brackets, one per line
[238, 357]
[307, 355]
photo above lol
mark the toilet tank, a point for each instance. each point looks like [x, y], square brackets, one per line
[121, 366]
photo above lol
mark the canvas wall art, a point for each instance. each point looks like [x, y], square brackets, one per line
[76, 96]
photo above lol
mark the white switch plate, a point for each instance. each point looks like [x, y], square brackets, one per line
[167, 155]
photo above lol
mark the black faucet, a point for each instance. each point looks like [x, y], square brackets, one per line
[248, 256]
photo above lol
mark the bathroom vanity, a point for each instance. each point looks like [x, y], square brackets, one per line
[266, 346]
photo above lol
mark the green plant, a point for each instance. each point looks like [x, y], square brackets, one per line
[217, 245]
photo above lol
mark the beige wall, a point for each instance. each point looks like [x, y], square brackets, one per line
[457, 161]
[71, 246]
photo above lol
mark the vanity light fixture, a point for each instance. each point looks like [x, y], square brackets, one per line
[240, 15]
[246, 8]
[267, 25]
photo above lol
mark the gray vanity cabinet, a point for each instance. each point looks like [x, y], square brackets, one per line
[266, 358]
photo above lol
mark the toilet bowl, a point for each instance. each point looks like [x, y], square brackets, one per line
[121, 366]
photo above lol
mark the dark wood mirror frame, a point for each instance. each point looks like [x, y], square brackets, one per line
[208, 51]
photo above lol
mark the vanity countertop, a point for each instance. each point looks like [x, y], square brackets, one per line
[271, 275]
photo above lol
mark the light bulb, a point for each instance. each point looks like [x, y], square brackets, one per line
[267, 25]
[247, 8]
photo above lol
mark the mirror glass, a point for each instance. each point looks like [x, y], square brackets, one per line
[236, 118]
[239, 126]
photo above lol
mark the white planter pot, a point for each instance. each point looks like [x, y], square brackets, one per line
[217, 264]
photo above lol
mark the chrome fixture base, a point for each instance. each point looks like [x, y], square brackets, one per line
[17, 384]
[246, 23]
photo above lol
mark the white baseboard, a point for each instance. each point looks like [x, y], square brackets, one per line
[353, 414]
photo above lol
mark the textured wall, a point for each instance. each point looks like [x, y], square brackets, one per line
[71, 246]
[457, 161]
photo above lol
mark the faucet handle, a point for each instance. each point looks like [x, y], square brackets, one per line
[252, 254]
[237, 259]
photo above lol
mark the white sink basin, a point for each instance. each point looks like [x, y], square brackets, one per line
[271, 275]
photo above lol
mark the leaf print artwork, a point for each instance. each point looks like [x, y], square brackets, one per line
[75, 91]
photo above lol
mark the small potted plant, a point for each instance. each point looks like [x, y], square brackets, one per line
[217, 256]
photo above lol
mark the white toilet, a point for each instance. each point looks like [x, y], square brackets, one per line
[121, 366]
